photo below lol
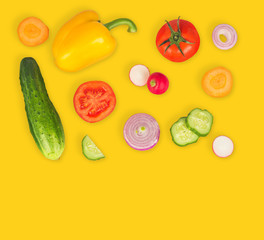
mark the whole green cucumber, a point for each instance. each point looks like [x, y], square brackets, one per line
[44, 122]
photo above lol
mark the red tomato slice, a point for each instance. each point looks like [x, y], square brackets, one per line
[94, 101]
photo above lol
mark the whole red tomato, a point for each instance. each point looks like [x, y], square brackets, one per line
[178, 40]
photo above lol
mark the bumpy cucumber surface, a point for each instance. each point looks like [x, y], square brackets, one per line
[181, 134]
[44, 122]
[200, 121]
[90, 150]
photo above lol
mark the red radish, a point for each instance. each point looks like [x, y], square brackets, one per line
[223, 146]
[139, 75]
[158, 83]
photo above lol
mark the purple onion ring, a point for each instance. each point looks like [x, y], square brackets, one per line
[230, 34]
[141, 131]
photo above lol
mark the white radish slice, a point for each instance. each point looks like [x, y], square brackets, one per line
[139, 75]
[223, 146]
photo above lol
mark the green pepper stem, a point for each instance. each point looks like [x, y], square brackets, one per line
[122, 21]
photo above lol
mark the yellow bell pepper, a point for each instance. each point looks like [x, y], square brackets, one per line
[84, 40]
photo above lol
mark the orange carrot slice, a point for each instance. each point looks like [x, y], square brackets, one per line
[32, 31]
[217, 82]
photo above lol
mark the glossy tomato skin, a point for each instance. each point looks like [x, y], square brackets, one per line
[94, 101]
[158, 83]
[188, 32]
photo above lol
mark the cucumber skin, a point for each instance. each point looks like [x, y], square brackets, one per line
[181, 145]
[84, 152]
[91, 158]
[44, 122]
[192, 129]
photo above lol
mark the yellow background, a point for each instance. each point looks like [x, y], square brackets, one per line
[164, 193]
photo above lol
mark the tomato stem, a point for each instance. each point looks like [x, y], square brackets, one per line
[178, 24]
[175, 38]
[170, 27]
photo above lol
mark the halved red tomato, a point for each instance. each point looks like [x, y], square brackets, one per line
[94, 101]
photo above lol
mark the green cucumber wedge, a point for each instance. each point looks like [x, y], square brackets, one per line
[200, 122]
[181, 134]
[90, 150]
[44, 122]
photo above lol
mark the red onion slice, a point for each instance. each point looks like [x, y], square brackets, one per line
[141, 131]
[230, 34]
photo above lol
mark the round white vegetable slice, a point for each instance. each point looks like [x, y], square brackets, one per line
[223, 146]
[139, 75]
[229, 34]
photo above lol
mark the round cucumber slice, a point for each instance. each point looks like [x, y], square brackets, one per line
[90, 150]
[181, 135]
[200, 122]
